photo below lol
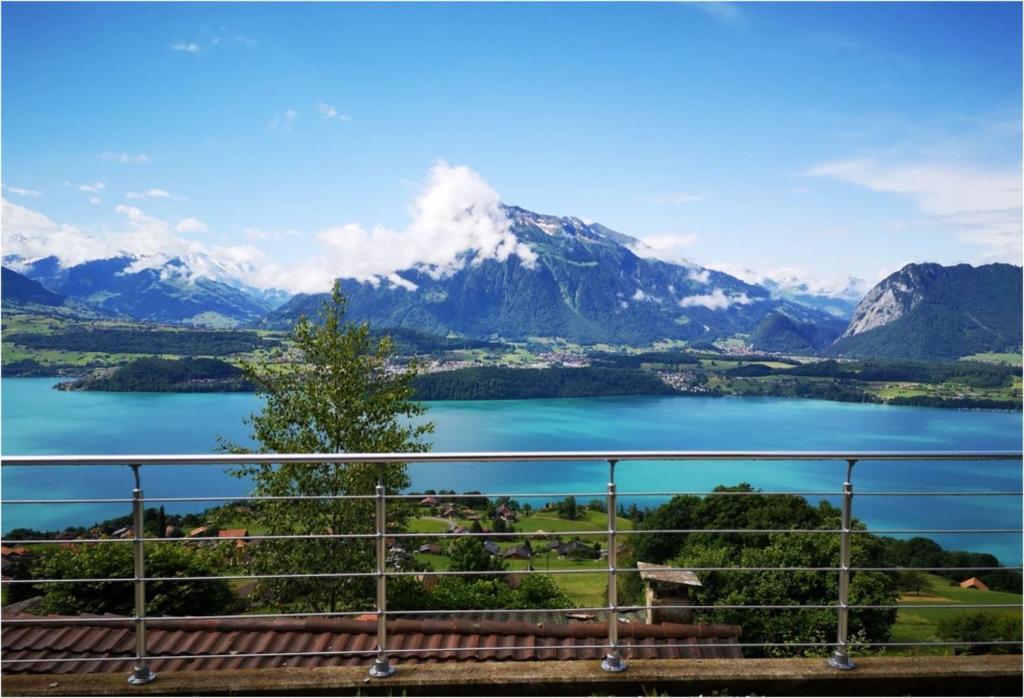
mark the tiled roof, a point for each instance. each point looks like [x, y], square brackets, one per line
[410, 641]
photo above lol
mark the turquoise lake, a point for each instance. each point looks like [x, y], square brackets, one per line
[39, 420]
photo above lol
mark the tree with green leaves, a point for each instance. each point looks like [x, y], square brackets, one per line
[341, 396]
[109, 560]
[912, 581]
[743, 507]
[467, 554]
[982, 627]
[568, 509]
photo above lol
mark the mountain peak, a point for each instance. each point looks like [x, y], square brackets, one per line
[930, 311]
[562, 226]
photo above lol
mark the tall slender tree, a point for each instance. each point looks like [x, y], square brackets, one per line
[342, 395]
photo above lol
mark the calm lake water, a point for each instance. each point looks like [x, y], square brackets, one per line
[39, 420]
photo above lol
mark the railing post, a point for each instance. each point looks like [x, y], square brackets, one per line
[613, 660]
[141, 673]
[381, 666]
[840, 659]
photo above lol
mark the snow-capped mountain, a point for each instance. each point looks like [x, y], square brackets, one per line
[152, 288]
[581, 281]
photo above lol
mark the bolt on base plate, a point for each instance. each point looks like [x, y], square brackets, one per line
[141, 676]
[613, 663]
[381, 669]
[841, 661]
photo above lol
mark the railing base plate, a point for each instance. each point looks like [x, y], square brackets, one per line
[841, 661]
[141, 676]
[613, 663]
[381, 669]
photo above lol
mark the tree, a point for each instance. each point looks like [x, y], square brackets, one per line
[468, 554]
[804, 590]
[340, 397]
[982, 626]
[108, 560]
[912, 581]
[533, 591]
[568, 509]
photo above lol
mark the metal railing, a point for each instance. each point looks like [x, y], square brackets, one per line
[613, 660]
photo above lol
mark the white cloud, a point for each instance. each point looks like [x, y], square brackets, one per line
[31, 235]
[22, 192]
[185, 46]
[284, 120]
[937, 189]
[127, 158]
[401, 282]
[326, 111]
[983, 206]
[716, 300]
[639, 295]
[456, 218]
[190, 225]
[702, 276]
[95, 200]
[667, 248]
[150, 194]
[92, 188]
[781, 281]
[245, 40]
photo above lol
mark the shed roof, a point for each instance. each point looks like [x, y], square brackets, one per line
[221, 644]
[670, 575]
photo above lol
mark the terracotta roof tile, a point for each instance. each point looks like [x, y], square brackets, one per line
[420, 640]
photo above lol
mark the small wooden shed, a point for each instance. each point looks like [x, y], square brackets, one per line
[973, 583]
[665, 586]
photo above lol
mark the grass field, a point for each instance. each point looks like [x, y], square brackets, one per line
[719, 363]
[920, 625]
[585, 589]
[1010, 358]
[427, 525]
[590, 521]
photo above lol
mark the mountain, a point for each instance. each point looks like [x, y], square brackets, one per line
[839, 306]
[778, 333]
[166, 292]
[928, 312]
[19, 289]
[787, 284]
[587, 285]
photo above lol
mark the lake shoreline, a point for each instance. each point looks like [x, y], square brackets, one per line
[37, 420]
[69, 386]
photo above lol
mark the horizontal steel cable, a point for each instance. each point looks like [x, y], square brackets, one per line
[501, 648]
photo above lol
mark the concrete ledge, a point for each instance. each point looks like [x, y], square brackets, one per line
[939, 676]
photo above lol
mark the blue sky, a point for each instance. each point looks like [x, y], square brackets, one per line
[810, 140]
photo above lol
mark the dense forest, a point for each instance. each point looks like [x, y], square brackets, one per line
[742, 508]
[167, 375]
[135, 341]
[493, 383]
[974, 374]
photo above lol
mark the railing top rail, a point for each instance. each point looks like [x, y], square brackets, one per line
[505, 456]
